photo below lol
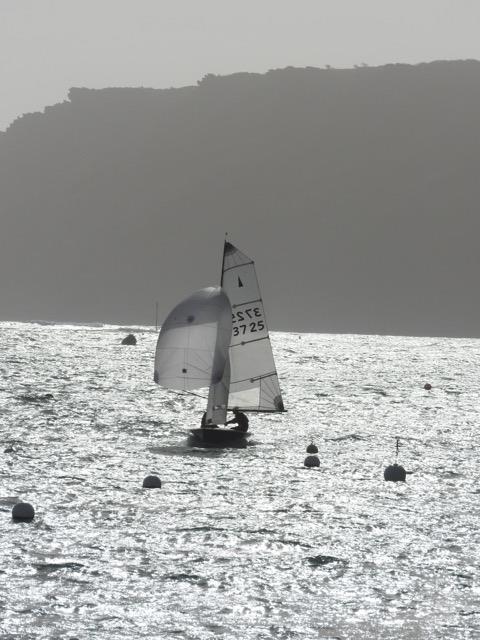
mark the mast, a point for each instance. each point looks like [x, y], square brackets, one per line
[223, 258]
[217, 403]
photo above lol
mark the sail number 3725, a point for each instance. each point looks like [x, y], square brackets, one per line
[251, 321]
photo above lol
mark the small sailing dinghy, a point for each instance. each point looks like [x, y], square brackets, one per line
[218, 338]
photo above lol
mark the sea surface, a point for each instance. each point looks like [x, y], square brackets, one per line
[239, 543]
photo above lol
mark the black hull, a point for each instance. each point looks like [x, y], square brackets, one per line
[218, 438]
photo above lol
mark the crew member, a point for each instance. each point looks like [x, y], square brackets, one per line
[240, 419]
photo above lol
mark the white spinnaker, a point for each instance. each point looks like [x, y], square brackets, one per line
[192, 348]
[253, 378]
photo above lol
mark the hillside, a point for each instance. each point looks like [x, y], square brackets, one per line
[355, 190]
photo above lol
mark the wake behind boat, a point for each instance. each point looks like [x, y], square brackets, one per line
[218, 338]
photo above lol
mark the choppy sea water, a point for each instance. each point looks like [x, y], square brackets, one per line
[239, 543]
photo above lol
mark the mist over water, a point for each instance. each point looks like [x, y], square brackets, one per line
[244, 543]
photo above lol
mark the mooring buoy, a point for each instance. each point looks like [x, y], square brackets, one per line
[130, 339]
[23, 511]
[311, 461]
[427, 386]
[152, 482]
[394, 473]
[312, 448]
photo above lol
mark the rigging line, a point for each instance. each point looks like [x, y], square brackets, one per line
[187, 393]
[250, 410]
[203, 360]
[193, 378]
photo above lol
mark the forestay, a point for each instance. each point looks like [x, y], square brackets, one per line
[192, 348]
[254, 382]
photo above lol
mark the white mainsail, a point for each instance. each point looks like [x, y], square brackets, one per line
[192, 348]
[254, 382]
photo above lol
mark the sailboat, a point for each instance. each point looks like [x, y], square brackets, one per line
[218, 338]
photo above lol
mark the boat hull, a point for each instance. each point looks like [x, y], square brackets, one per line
[219, 437]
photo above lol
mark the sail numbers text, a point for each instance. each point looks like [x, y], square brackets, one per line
[250, 321]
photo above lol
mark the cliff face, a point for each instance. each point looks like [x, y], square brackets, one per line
[356, 192]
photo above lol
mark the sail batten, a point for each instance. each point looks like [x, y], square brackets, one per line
[263, 377]
[241, 304]
[244, 342]
[238, 265]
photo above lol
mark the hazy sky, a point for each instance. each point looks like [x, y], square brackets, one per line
[47, 46]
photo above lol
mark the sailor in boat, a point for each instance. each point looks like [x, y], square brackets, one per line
[240, 419]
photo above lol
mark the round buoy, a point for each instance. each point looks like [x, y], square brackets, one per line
[394, 473]
[427, 386]
[130, 339]
[23, 511]
[312, 448]
[152, 482]
[311, 461]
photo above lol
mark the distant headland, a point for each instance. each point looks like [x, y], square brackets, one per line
[356, 191]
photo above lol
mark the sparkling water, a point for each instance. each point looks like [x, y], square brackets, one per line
[239, 543]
